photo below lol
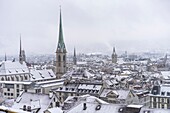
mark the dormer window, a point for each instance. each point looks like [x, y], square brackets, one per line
[168, 93]
[162, 93]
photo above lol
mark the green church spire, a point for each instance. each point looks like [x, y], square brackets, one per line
[61, 45]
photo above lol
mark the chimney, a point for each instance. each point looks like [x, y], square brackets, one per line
[50, 94]
[24, 108]
[29, 108]
[84, 106]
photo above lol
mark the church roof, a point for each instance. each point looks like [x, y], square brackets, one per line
[11, 68]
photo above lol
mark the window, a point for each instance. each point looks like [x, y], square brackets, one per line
[59, 58]
[154, 99]
[8, 94]
[12, 94]
[162, 106]
[168, 100]
[12, 78]
[2, 79]
[162, 93]
[9, 86]
[64, 58]
[4, 93]
[21, 78]
[168, 93]
[26, 77]
[8, 79]
[8, 89]
[162, 99]
[57, 104]
[17, 85]
[154, 105]
[17, 90]
[17, 78]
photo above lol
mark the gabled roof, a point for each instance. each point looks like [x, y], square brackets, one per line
[35, 101]
[10, 68]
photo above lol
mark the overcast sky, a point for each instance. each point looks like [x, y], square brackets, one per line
[89, 25]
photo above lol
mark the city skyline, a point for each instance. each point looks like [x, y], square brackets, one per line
[89, 26]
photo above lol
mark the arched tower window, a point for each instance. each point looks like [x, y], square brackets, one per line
[64, 57]
[59, 58]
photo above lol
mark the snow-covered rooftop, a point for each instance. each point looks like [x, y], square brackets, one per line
[11, 68]
[35, 101]
[41, 74]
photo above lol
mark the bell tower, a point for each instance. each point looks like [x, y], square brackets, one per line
[61, 52]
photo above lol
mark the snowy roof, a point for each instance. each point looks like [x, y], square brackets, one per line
[34, 100]
[122, 94]
[166, 89]
[16, 82]
[134, 106]
[165, 74]
[78, 73]
[90, 86]
[81, 63]
[55, 110]
[42, 74]
[11, 68]
[11, 110]
[50, 83]
[93, 108]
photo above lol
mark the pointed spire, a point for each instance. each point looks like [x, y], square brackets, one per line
[5, 57]
[114, 51]
[74, 52]
[20, 51]
[74, 57]
[165, 58]
[61, 44]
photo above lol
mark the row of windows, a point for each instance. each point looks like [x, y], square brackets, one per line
[159, 106]
[163, 100]
[8, 94]
[12, 78]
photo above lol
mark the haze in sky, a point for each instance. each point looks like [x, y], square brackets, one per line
[88, 25]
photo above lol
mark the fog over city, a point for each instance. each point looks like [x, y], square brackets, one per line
[88, 25]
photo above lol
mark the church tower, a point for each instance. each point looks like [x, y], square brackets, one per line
[22, 57]
[60, 53]
[114, 56]
[74, 57]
